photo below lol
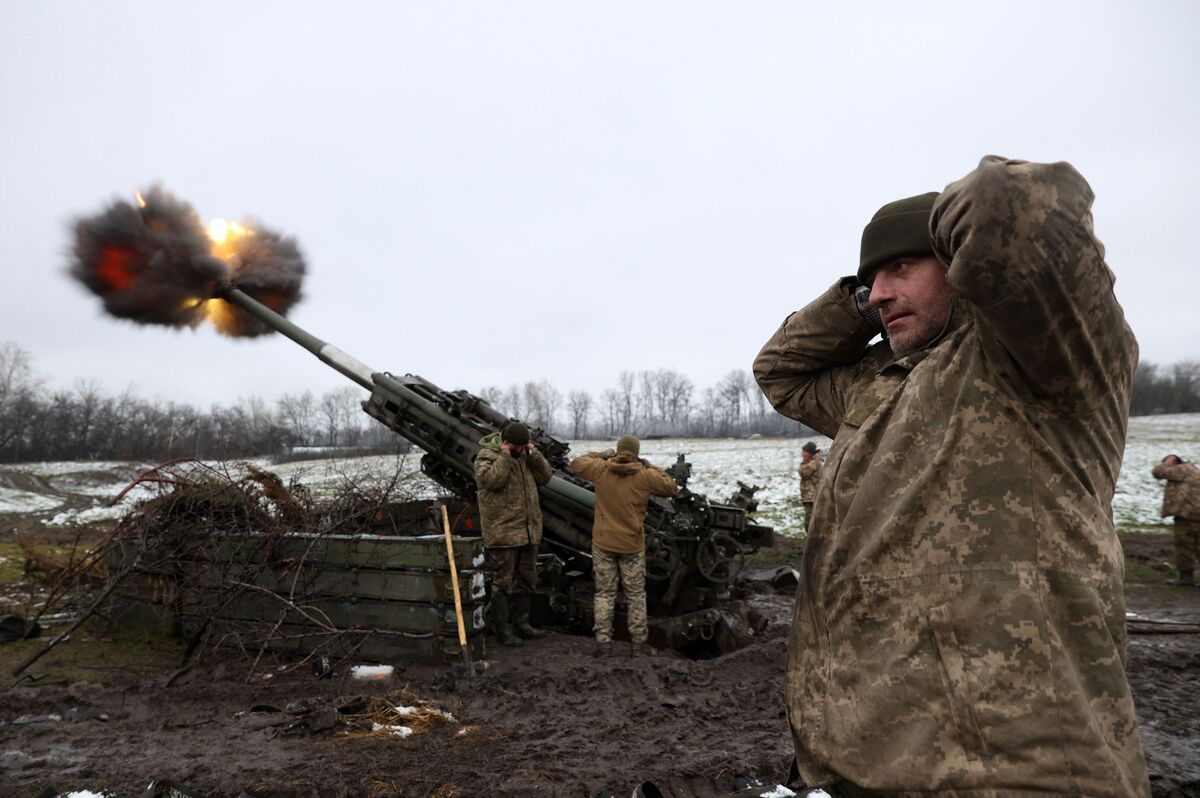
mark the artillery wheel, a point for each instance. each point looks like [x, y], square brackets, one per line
[720, 559]
[662, 557]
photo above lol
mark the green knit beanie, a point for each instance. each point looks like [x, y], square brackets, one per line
[628, 443]
[515, 433]
[897, 229]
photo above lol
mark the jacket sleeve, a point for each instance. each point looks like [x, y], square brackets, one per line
[540, 467]
[588, 466]
[1017, 238]
[1172, 473]
[807, 368]
[491, 470]
[659, 482]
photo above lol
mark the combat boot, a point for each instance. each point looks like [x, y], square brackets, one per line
[500, 620]
[1186, 578]
[642, 650]
[521, 606]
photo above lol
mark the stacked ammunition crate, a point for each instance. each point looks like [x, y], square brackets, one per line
[378, 597]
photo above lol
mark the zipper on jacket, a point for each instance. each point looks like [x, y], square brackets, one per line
[525, 505]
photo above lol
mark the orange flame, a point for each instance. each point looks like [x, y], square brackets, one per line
[225, 235]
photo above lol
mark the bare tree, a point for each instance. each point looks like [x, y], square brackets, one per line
[18, 389]
[613, 407]
[625, 382]
[297, 413]
[645, 399]
[579, 404]
[512, 405]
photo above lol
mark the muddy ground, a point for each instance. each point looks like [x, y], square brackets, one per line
[545, 719]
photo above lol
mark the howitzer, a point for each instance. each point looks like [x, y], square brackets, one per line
[694, 547]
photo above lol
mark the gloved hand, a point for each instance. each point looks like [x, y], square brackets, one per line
[607, 453]
[862, 300]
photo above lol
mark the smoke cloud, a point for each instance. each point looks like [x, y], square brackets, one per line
[154, 263]
[151, 264]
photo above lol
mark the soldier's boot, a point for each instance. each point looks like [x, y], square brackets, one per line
[501, 624]
[1186, 578]
[521, 606]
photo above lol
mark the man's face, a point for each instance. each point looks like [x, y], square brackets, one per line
[913, 298]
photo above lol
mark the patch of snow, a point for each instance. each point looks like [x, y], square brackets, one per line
[404, 711]
[22, 501]
[783, 792]
[371, 671]
[399, 731]
[74, 467]
[86, 516]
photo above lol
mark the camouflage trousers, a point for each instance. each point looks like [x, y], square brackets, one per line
[629, 571]
[1187, 543]
[513, 568]
[807, 515]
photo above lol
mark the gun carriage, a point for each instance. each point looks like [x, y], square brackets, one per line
[694, 546]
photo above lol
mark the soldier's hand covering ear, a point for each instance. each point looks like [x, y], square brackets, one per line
[862, 300]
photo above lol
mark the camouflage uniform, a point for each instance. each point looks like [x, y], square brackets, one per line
[510, 513]
[1181, 498]
[960, 619]
[810, 472]
[624, 484]
[629, 570]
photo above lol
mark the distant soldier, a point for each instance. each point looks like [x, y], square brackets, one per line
[961, 626]
[811, 461]
[508, 471]
[624, 484]
[1181, 498]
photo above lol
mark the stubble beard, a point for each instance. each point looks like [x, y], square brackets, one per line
[929, 324]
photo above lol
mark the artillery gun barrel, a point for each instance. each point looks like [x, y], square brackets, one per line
[326, 352]
[431, 427]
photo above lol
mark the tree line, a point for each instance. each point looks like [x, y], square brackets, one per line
[1166, 389]
[38, 422]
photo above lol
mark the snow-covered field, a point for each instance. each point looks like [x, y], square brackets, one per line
[70, 493]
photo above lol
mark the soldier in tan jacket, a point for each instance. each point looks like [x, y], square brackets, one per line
[811, 461]
[624, 484]
[960, 619]
[1181, 498]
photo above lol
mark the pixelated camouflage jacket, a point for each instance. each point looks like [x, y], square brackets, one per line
[1181, 497]
[960, 619]
[509, 509]
[810, 472]
[624, 484]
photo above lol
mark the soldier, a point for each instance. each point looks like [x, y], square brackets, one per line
[811, 461]
[1181, 498]
[624, 485]
[508, 471]
[960, 620]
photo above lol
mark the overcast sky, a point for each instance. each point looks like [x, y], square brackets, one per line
[498, 192]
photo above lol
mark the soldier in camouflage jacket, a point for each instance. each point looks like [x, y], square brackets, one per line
[960, 625]
[810, 471]
[1181, 498]
[508, 472]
